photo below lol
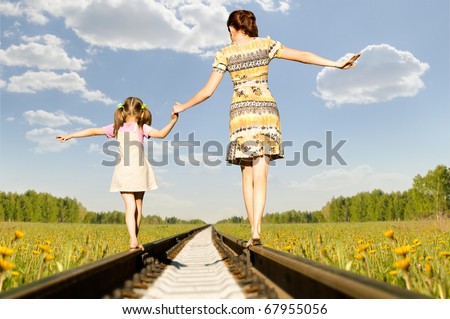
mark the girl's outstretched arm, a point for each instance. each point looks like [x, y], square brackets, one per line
[203, 94]
[312, 58]
[162, 133]
[83, 133]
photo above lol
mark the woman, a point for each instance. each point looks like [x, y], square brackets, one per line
[255, 136]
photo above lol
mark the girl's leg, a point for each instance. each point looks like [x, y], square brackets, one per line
[260, 171]
[130, 211]
[247, 191]
[139, 198]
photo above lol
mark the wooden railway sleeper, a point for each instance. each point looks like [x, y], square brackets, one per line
[240, 267]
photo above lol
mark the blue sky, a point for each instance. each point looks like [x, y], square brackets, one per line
[66, 64]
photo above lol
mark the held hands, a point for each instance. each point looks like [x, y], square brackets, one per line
[174, 116]
[177, 108]
[350, 63]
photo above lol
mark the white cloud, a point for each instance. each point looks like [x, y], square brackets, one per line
[270, 5]
[348, 182]
[185, 26]
[45, 52]
[32, 10]
[382, 74]
[96, 149]
[32, 82]
[58, 118]
[10, 9]
[46, 141]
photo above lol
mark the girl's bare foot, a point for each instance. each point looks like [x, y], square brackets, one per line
[136, 246]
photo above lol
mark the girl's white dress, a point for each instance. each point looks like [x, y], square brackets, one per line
[132, 172]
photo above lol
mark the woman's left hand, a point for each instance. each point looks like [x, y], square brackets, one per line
[350, 63]
[177, 108]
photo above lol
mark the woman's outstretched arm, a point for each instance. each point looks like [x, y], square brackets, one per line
[83, 133]
[312, 58]
[202, 95]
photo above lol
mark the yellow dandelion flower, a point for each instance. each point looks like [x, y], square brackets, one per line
[389, 234]
[403, 264]
[360, 257]
[5, 265]
[372, 251]
[36, 252]
[47, 242]
[428, 270]
[362, 248]
[287, 248]
[444, 254]
[324, 250]
[360, 241]
[15, 273]
[45, 249]
[403, 250]
[429, 258]
[417, 242]
[18, 234]
[392, 272]
[6, 251]
[49, 257]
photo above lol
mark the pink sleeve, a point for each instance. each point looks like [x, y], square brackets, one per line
[146, 130]
[109, 130]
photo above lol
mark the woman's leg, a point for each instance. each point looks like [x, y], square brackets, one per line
[130, 212]
[247, 191]
[260, 171]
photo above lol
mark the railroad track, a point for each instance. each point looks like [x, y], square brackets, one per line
[204, 263]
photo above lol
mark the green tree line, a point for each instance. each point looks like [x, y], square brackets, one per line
[429, 197]
[32, 206]
[288, 217]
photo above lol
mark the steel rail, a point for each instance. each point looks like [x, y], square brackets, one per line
[304, 278]
[98, 278]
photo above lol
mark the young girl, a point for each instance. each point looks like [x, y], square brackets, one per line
[255, 133]
[133, 174]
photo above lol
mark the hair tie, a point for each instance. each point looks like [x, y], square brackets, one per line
[120, 106]
[144, 106]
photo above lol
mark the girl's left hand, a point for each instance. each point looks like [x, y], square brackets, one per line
[350, 63]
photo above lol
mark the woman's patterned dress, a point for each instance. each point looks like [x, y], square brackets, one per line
[254, 118]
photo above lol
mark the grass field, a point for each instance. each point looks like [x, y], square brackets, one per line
[31, 251]
[412, 255]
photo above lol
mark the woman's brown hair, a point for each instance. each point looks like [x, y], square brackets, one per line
[135, 107]
[244, 21]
